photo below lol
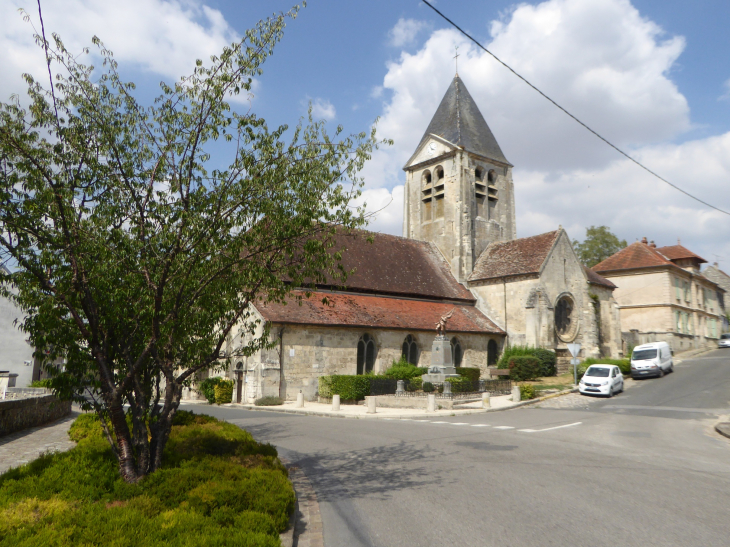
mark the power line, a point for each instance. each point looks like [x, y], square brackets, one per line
[609, 143]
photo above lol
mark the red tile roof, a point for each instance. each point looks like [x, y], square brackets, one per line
[635, 256]
[677, 252]
[366, 311]
[517, 257]
[593, 277]
[395, 265]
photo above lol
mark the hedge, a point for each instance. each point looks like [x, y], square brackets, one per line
[468, 372]
[223, 392]
[269, 400]
[546, 357]
[207, 388]
[403, 370]
[524, 367]
[460, 385]
[349, 388]
[623, 364]
[217, 486]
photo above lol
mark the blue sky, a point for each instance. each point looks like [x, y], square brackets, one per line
[651, 75]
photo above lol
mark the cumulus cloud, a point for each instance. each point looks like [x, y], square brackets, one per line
[159, 36]
[385, 208]
[725, 96]
[323, 109]
[611, 67]
[405, 31]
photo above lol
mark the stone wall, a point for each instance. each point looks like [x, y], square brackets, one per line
[25, 410]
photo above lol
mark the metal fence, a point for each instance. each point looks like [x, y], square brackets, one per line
[460, 390]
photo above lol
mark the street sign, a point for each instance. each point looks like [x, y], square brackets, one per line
[575, 361]
[574, 349]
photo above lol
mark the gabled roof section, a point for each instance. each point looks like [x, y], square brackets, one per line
[678, 252]
[367, 311]
[397, 266]
[635, 256]
[517, 257]
[596, 279]
[459, 121]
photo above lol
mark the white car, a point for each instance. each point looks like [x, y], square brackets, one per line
[724, 341]
[602, 380]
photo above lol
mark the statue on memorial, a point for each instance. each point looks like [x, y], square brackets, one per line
[441, 325]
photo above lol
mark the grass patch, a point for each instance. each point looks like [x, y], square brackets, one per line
[564, 381]
[217, 487]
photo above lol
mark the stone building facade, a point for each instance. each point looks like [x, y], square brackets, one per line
[716, 275]
[662, 296]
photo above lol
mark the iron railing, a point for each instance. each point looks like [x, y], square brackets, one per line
[460, 390]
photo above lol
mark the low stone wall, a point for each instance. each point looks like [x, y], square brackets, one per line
[21, 413]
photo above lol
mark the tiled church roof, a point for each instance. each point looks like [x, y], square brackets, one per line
[366, 311]
[517, 257]
[459, 121]
[593, 277]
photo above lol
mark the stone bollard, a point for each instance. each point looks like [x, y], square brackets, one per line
[335, 402]
[370, 401]
[431, 403]
[401, 389]
[486, 402]
[516, 395]
[447, 388]
[300, 400]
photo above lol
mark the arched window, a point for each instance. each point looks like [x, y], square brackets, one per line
[426, 177]
[426, 195]
[365, 354]
[410, 350]
[456, 353]
[492, 353]
[479, 174]
[439, 173]
[491, 177]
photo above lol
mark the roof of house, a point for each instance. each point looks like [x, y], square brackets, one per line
[596, 279]
[459, 121]
[635, 256]
[395, 265]
[677, 252]
[367, 311]
[517, 257]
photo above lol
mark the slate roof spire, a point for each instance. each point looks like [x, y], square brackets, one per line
[459, 121]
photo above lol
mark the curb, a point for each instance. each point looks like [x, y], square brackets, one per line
[457, 412]
[723, 428]
[287, 536]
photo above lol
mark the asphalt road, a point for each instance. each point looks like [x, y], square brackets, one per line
[644, 468]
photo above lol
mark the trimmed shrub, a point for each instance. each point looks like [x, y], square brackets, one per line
[547, 361]
[223, 392]
[414, 384]
[207, 388]
[269, 400]
[623, 364]
[41, 383]
[325, 386]
[428, 387]
[349, 388]
[524, 367]
[403, 370]
[527, 392]
[472, 373]
[460, 385]
[514, 351]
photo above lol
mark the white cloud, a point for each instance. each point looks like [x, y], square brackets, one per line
[386, 208]
[163, 37]
[608, 65]
[405, 31]
[323, 109]
[725, 96]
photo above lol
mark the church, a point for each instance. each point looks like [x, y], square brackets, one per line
[459, 254]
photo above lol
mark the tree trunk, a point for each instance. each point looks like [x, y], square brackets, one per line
[127, 467]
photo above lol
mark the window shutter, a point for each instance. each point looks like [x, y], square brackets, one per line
[676, 287]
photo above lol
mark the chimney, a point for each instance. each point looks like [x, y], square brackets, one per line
[652, 244]
[644, 241]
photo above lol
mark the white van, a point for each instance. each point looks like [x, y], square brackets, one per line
[653, 359]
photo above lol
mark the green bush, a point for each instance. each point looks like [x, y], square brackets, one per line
[623, 364]
[472, 374]
[547, 361]
[223, 392]
[460, 385]
[220, 488]
[349, 388]
[527, 392]
[41, 383]
[403, 370]
[428, 387]
[523, 367]
[207, 388]
[414, 384]
[325, 386]
[269, 400]
[514, 351]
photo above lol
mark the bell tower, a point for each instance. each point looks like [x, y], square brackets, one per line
[459, 192]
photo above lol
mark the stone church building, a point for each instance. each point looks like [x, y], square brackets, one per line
[459, 251]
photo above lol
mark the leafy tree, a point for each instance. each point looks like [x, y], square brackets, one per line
[598, 245]
[137, 255]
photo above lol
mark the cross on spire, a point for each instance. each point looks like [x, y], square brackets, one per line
[456, 59]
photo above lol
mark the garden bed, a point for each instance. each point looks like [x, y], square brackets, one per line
[217, 486]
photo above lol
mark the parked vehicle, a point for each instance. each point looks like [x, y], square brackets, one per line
[724, 341]
[602, 380]
[651, 360]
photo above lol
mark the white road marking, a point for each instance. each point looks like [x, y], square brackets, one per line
[479, 425]
[548, 429]
[440, 422]
[503, 427]
[460, 423]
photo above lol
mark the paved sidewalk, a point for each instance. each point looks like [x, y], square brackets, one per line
[25, 446]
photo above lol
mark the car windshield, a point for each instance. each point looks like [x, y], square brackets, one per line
[644, 354]
[725, 336]
[601, 372]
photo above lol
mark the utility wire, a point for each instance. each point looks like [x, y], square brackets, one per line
[609, 143]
